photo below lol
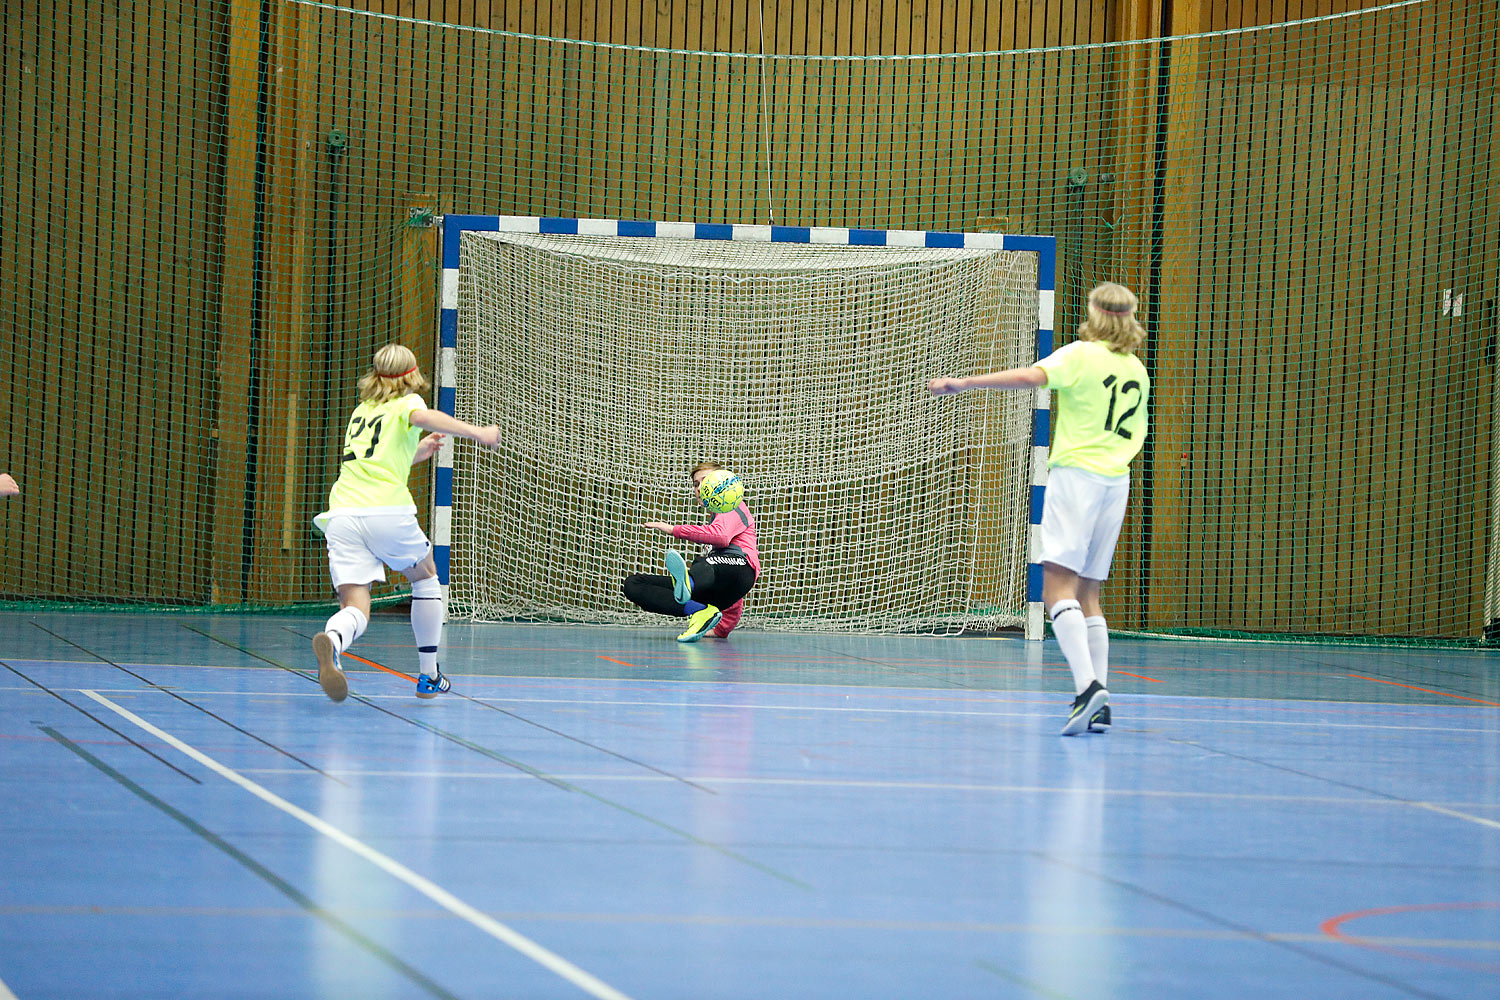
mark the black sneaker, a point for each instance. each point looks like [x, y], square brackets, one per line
[1100, 722]
[1094, 698]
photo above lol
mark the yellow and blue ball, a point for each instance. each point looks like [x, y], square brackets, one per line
[721, 490]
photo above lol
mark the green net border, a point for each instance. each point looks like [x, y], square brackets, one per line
[1491, 640]
[304, 608]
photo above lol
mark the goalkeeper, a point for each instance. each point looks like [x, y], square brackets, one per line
[710, 594]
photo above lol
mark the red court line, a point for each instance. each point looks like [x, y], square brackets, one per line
[1413, 687]
[1332, 927]
[378, 666]
[1143, 677]
[622, 663]
[1332, 924]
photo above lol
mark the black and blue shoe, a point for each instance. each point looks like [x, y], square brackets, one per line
[430, 687]
[1100, 722]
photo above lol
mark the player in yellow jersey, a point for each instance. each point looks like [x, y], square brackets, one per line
[371, 520]
[1102, 395]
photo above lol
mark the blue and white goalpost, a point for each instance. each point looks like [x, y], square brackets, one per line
[595, 335]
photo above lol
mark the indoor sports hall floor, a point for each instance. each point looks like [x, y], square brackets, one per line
[603, 812]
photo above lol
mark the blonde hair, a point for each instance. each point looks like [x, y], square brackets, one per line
[1111, 319]
[706, 467]
[393, 374]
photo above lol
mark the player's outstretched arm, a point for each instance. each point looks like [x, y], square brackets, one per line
[440, 423]
[1030, 377]
[428, 447]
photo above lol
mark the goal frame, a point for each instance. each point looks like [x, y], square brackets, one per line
[454, 226]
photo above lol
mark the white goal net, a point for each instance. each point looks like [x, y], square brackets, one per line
[614, 364]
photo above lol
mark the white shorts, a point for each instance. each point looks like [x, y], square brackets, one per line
[1081, 517]
[360, 546]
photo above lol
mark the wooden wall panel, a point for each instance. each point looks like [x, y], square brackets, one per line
[134, 171]
[1293, 510]
[104, 286]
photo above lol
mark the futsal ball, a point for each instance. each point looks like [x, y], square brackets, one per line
[721, 491]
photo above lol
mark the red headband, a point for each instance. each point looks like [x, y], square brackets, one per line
[403, 374]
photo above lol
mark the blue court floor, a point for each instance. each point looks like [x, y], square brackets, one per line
[606, 813]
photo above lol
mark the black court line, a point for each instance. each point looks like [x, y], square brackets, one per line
[441, 733]
[1337, 783]
[100, 722]
[1305, 952]
[313, 678]
[1263, 938]
[592, 746]
[558, 732]
[275, 881]
[1461, 683]
[559, 783]
[939, 682]
[264, 742]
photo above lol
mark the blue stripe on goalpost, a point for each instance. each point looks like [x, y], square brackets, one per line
[454, 226]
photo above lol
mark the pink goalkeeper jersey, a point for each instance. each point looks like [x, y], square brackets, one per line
[731, 531]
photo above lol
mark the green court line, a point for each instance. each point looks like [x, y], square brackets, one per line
[1021, 981]
[192, 704]
[275, 881]
[147, 751]
[534, 772]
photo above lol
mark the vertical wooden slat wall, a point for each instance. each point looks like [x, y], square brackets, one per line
[141, 135]
[1329, 493]
[113, 162]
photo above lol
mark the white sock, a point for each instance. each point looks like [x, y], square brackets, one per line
[427, 622]
[346, 626]
[1072, 636]
[1099, 647]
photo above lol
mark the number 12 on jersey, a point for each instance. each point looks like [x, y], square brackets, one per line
[1115, 392]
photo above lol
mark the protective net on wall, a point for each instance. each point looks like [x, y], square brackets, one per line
[217, 211]
[613, 365]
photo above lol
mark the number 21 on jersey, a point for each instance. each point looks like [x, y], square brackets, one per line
[360, 428]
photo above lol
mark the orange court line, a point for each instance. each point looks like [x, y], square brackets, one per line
[1143, 677]
[377, 666]
[622, 663]
[1332, 925]
[1413, 687]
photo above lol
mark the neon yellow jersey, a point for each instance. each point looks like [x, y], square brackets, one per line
[1101, 407]
[376, 460]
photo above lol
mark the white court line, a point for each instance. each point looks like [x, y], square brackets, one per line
[1434, 807]
[1049, 713]
[547, 959]
[898, 786]
[5, 993]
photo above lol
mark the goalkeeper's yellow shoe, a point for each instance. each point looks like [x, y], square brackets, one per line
[701, 623]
